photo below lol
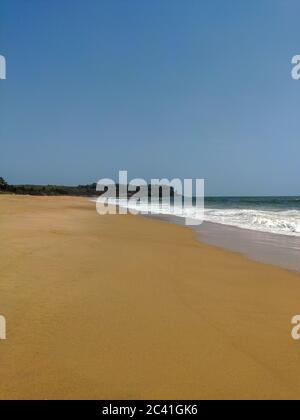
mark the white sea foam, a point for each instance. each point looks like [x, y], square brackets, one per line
[155, 207]
[285, 222]
[280, 222]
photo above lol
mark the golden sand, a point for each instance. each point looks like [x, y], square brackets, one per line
[124, 307]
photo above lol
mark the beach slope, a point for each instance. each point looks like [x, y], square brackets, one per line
[123, 307]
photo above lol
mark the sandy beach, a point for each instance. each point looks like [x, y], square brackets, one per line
[126, 307]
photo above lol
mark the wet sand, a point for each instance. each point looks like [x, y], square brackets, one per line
[279, 250]
[125, 307]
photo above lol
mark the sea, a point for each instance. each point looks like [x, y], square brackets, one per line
[266, 229]
[278, 215]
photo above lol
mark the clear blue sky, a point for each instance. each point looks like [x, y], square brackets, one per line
[162, 88]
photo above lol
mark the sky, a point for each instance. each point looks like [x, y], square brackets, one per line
[160, 88]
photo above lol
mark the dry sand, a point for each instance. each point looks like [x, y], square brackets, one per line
[123, 307]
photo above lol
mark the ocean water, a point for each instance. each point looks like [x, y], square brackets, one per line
[264, 229]
[277, 215]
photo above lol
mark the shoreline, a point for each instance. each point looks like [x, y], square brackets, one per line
[277, 249]
[125, 307]
[268, 248]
